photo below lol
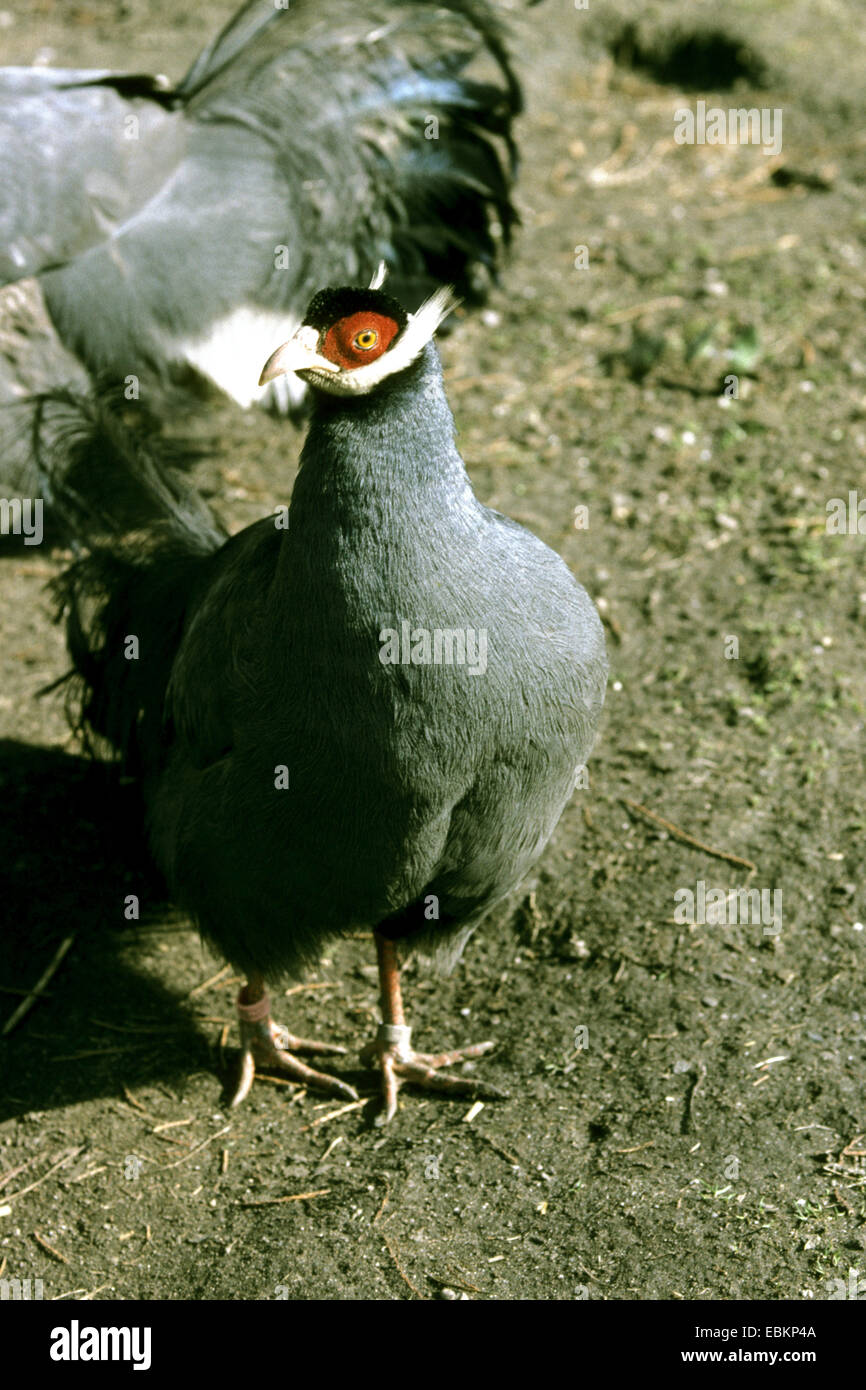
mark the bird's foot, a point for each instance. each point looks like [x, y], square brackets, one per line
[392, 1052]
[265, 1043]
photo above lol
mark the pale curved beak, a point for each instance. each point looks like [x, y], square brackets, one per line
[299, 354]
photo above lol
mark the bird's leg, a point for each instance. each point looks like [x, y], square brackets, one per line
[263, 1041]
[392, 1049]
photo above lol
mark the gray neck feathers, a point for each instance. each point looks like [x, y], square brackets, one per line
[381, 504]
[390, 455]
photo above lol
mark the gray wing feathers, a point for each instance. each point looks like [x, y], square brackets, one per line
[77, 164]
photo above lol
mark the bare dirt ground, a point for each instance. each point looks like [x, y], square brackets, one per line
[705, 1138]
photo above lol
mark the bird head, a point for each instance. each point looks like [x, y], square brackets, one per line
[353, 339]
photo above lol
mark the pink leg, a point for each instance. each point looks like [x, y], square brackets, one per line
[265, 1043]
[393, 1054]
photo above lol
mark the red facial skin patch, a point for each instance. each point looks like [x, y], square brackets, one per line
[341, 345]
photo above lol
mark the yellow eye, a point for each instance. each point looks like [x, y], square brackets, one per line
[366, 339]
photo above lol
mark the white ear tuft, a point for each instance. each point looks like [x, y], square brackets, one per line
[378, 279]
[427, 318]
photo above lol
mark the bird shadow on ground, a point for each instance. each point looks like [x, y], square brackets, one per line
[73, 857]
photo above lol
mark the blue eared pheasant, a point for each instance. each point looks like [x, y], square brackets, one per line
[372, 717]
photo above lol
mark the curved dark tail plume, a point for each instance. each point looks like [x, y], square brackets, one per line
[105, 468]
[408, 109]
[144, 538]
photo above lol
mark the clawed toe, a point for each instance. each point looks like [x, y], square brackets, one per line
[392, 1053]
[265, 1044]
[287, 1042]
